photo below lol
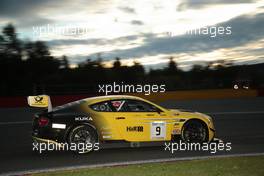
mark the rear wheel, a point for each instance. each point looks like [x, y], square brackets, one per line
[83, 138]
[195, 131]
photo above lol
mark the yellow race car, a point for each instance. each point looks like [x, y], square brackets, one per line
[117, 117]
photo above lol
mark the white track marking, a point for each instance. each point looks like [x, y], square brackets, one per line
[128, 163]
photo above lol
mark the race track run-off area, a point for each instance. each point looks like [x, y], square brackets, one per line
[239, 121]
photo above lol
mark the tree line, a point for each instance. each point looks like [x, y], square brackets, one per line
[27, 67]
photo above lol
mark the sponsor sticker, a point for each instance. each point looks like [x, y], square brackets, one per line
[135, 129]
[83, 118]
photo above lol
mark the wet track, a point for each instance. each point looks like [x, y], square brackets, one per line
[239, 121]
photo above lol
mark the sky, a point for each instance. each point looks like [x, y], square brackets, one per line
[146, 31]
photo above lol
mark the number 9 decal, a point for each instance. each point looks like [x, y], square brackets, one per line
[158, 130]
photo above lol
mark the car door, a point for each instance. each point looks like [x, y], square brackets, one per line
[138, 120]
[104, 119]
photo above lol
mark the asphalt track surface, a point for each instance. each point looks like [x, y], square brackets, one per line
[239, 121]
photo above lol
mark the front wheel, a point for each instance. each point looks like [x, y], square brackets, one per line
[195, 131]
[83, 139]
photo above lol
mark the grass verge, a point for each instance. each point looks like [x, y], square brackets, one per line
[233, 166]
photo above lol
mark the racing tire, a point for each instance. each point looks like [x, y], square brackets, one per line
[194, 131]
[84, 137]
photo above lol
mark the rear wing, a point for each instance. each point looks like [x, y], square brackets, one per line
[41, 101]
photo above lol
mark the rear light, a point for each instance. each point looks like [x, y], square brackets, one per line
[43, 121]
